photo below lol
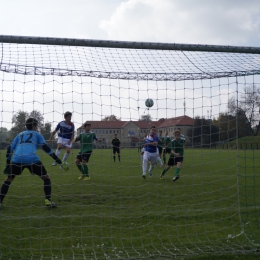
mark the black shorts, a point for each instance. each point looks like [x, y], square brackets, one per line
[167, 150]
[174, 160]
[116, 150]
[35, 168]
[160, 149]
[84, 156]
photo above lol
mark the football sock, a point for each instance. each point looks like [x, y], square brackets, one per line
[57, 152]
[4, 190]
[80, 168]
[119, 158]
[164, 159]
[177, 170]
[47, 188]
[65, 157]
[114, 158]
[85, 169]
[164, 171]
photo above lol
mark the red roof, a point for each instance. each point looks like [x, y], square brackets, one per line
[177, 121]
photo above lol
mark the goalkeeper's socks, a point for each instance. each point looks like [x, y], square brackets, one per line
[47, 188]
[177, 170]
[4, 190]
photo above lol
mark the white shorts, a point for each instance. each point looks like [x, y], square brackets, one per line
[64, 141]
[150, 156]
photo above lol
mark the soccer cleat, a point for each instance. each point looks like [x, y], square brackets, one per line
[87, 178]
[64, 165]
[84, 177]
[49, 203]
[81, 177]
[161, 177]
[175, 178]
[144, 176]
[54, 163]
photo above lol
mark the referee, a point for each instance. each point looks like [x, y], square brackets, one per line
[116, 147]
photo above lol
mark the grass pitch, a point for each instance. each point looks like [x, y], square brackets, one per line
[212, 210]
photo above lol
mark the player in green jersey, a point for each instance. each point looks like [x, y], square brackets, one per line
[160, 143]
[86, 146]
[176, 157]
[167, 149]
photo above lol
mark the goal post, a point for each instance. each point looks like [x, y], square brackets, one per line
[210, 93]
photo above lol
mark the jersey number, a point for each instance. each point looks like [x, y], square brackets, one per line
[28, 140]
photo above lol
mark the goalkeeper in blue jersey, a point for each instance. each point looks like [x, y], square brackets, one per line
[21, 154]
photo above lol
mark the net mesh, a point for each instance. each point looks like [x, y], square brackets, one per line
[212, 209]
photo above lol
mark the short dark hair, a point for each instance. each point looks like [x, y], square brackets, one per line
[87, 124]
[30, 123]
[66, 114]
[153, 126]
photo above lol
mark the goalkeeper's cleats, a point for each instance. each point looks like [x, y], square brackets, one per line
[144, 176]
[175, 178]
[7, 169]
[54, 163]
[50, 204]
[64, 165]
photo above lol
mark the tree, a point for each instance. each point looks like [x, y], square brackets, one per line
[38, 116]
[46, 130]
[247, 109]
[203, 132]
[146, 118]
[18, 120]
[111, 118]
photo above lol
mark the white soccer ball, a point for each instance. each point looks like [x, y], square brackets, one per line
[149, 102]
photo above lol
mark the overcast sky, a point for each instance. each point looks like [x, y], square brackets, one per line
[221, 22]
[225, 22]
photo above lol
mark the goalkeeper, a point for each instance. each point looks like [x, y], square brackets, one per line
[21, 154]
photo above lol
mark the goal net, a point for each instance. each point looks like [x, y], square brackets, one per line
[210, 93]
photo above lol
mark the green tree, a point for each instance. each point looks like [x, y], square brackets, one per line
[203, 132]
[146, 118]
[247, 109]
[111, 118]
[18, 121]
[46, 130]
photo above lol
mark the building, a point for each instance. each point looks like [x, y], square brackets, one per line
[130, 132]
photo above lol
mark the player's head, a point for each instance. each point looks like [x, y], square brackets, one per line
[67, 115]
[153, 129]
[87, 126]
[31, 123]
[115, 135]
[177, 133]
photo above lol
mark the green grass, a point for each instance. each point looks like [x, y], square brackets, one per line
[211, 211]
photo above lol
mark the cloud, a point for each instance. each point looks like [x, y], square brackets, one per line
[202, 22]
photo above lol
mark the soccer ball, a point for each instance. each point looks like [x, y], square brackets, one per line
[149, 102]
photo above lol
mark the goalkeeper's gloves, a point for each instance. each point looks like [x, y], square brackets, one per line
[64, 165]
[7, 169]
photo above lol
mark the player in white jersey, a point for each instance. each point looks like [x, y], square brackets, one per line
[65, 136]
[150, 151]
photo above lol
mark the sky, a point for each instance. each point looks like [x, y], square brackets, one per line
[222, 22]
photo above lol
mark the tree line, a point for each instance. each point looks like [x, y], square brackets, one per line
[242, 119]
